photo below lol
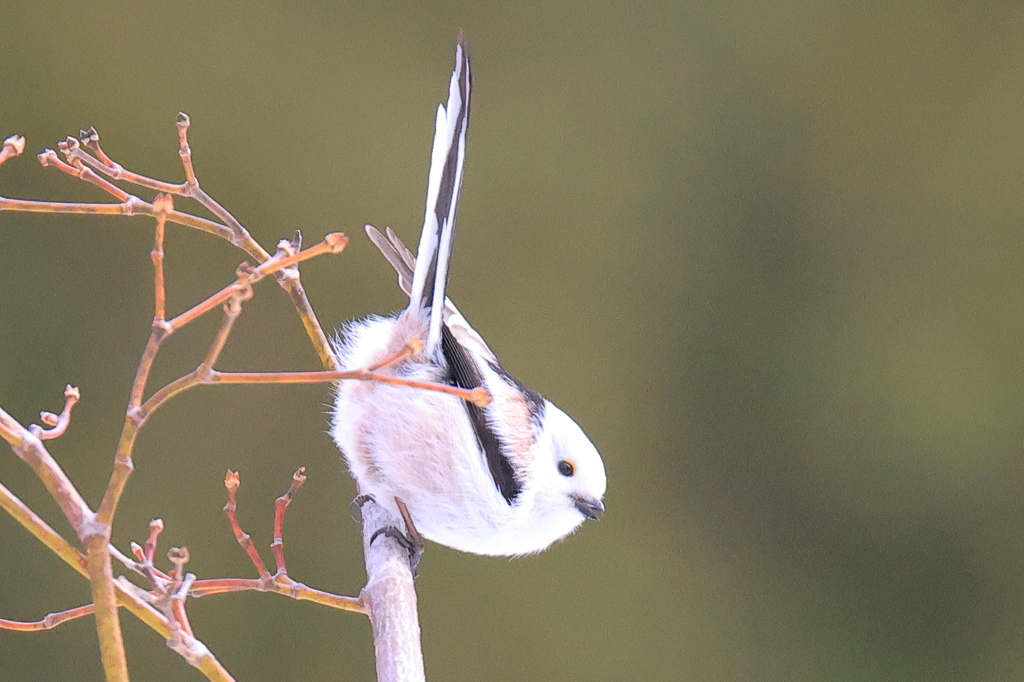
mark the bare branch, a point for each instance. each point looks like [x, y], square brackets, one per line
[280, 506]
[59, 423]
[478, 395]
[232, 483]
[390, 600]
[164, 205]
[30, 449]
[49, 622]
[20, 512]
[132, 206]
[87, 161]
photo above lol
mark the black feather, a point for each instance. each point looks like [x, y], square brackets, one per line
[447, 188]
[464, 374]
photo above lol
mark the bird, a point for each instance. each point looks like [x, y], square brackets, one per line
[508, 479]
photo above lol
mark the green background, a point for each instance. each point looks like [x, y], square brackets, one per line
[767, 254]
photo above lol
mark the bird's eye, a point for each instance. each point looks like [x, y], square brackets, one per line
[566, 468]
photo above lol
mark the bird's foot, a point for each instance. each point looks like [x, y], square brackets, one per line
[411, 540]
[357, 505]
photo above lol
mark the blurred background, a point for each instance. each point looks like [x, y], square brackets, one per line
[767, 254]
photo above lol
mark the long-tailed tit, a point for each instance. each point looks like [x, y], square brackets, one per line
[510, 478]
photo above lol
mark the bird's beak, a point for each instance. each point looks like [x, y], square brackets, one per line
[591, 509]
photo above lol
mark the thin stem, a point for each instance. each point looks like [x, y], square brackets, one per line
[60, 422]
[237, 234]
[91, 139]
[137, 417]
[48, 158]
[184, 151]
[293, 287]
[413, 346]
[49, 622]
[116, 171]
[132, 206]
[31, 450]
[156, 526]
[43, 532]
[231, 296]
[478, 395]
[278, 584]
[232, 482]
[163, 204]
[280, 506]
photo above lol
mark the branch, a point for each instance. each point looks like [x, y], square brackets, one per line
[279, 582]
[21, 513]
[390, 600]
[89, 168]
[49, 622]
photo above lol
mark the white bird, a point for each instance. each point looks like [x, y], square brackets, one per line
[508, 479]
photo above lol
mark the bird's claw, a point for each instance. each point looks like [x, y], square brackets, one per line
[357, 505]
[413, 546]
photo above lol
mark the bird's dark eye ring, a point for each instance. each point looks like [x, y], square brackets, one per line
[566, 468]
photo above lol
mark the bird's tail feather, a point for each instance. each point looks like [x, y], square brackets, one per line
[447, 160]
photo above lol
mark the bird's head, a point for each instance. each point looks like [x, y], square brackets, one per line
[569, 477]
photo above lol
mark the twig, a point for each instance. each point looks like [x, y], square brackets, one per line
[478, 395]
[232, 483]
[49, 622]
[279, 582]
[280, 506]
[20, 512]
[59, 423]
[133, 206]
[164, 205]
[231, 297]
[169, 591]
[13, 146]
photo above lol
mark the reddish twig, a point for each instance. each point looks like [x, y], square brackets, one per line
[59, 423]
[105, 166]
[478, 395]
[98, 169]
[232, 483]
[75, 167]
[20, 512]
[132, 206]
[248, 276]
[413, 346]
[156, 526]
[279, 583]
[230, 297]
[178, 589]
[91, 139]
[51, 620]
[168, 592]
[280, 505]
[184, 151]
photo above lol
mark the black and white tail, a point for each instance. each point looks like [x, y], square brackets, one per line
[447, 161]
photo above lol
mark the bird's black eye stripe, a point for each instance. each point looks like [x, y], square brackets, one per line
[566, 468]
